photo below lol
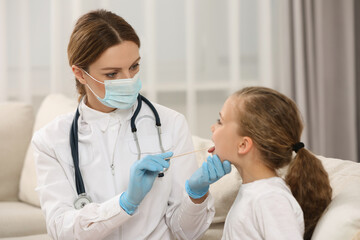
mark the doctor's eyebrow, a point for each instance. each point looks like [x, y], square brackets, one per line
[117, 68]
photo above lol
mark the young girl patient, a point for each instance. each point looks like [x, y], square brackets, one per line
[258, 131]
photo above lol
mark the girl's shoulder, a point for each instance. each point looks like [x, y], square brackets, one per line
[275, 193]
[267, 189]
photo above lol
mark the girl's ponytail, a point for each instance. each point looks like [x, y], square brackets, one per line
[310, 185]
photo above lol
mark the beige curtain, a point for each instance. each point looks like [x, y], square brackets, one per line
[321, 44]
[357, 66]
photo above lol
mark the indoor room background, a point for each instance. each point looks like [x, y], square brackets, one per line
[195, 53]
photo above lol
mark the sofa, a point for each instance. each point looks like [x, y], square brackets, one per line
[21, 216]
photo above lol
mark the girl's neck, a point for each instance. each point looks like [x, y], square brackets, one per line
[248, 177]
[254, 170]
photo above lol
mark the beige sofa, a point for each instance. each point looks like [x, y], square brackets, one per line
[21, 217]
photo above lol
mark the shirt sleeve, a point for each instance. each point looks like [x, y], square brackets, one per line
[186, 219]
[276, 218]
[94, 221]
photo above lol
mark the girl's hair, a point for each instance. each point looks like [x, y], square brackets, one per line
[273, 122]
[95, 32]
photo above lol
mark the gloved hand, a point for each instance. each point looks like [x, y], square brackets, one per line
[211, 171]
[142, 176]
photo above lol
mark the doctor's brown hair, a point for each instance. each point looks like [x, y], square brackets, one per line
[273, 122]
[93, 33]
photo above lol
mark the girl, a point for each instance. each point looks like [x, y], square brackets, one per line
[258, 130]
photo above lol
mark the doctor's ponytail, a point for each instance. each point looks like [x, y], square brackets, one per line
[273, 122]
[93, 33]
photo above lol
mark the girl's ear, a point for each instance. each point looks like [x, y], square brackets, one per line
[79, 74]
[245, 145]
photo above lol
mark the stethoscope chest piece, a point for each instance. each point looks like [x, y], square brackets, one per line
[81, 201]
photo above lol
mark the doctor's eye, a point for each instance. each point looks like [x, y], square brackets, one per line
[135, 66]
[111, 75]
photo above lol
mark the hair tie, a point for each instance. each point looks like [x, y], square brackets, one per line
[297, 146]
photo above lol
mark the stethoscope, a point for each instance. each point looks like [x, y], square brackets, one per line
[83, 198]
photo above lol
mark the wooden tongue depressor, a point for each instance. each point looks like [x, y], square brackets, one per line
[183, 154]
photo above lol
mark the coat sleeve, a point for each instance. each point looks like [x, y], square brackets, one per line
[57, 195]
[186, 219]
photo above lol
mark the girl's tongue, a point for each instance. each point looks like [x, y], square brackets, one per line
[212, 149]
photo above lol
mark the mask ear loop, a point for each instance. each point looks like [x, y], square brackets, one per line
[87, 85]
[92, 77]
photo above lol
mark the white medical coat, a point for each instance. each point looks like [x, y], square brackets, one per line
[165, 213]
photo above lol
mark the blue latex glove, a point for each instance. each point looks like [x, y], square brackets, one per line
[142, 176]
[211, 171]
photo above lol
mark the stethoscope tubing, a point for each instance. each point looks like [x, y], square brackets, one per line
[74, 141]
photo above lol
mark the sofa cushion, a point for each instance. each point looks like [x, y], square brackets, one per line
[20, 219]
[30, 237]
[214, 232]
[341, 173]
[15, 134]
[341, 220]
[52, 106]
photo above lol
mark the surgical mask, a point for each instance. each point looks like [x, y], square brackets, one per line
[119, 93]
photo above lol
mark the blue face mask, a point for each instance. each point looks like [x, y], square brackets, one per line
[119, 93]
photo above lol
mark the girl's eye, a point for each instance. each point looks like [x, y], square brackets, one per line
[111, 75]
[219, 121]
[135, 66]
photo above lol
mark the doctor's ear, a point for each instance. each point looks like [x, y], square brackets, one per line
[79, 74]
[245, 145]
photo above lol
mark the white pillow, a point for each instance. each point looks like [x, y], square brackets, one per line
[341, 220]
[223, 191]
[52, 106]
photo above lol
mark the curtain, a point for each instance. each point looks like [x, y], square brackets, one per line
[321, 53]
[191, 60]
[357, 39]
[195, 53]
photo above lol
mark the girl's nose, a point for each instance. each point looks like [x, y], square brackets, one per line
[212, 128]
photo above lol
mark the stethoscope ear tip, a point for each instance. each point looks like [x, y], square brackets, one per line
[161, 174]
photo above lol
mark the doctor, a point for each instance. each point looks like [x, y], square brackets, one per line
[98, 178]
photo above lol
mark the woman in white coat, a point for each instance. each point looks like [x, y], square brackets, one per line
[119, 194]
